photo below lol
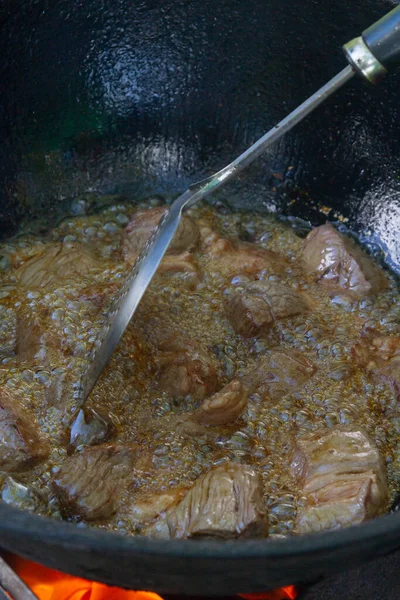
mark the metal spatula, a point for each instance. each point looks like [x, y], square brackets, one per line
[369, 55]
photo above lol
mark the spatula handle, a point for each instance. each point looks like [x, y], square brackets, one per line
[383, 38]
[378, 49]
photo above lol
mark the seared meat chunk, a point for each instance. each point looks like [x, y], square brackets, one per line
[186, 369]
[231, 258]
[274, 376]
[225, 503]
[55, 265]
[342, 478]
[381, 356]
[387, 347]
[253, 310]
[248, 259]
[213, 243]
[182, 266]
[89, 483]
[155, 505]
[279, 373]
[225, 406]
[20, 442]
[340, 264]
[37, 345]
[34, 341]
[142, 225]
[8, 332]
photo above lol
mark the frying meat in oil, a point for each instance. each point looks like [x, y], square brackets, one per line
[20, 443]
[254, 394]
[340, 264]
[226, 503]
[253, 310]
[342, 477]
[89, 483]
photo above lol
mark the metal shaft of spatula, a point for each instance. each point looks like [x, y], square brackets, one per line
[369, 55]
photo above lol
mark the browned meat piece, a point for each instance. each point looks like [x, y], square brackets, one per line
[380, 356]
[186, 369]
[20, 442]
[90, 428]
[342, 478]
[89, 483]
[340, 264]
[253, 310]
[249, 259]
[279, 373]
[214, 244]
[231, 258]
[56, 265]
[225, 503]
[225, 406]
[34, 341]
[183, 266]
[8, 332]
[274, 376]
[142, 225]
[387, 347]
[153, 506]
[37, 345]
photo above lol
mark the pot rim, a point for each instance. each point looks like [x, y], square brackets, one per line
[42, 529]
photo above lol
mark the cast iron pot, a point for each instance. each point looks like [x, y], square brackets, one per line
[120, 98]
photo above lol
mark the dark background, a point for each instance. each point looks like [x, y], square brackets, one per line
[142, 97]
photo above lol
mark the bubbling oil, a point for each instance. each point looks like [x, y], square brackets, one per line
[144, 416]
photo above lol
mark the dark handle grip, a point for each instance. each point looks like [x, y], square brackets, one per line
[383, 38]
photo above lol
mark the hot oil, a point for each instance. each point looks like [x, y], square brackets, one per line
[339, 392]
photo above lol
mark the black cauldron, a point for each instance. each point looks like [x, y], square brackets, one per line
[135, 98]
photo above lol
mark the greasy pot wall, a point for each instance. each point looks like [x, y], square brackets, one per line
[135, 98]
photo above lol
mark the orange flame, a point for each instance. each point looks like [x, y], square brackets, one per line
[289, 592]
[49, 584]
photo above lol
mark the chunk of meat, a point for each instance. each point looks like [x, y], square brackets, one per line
[230, 258]
[225, 406]
[280, 372]
[250, 260]
[252, 311]
[340, 264]
[8, 332]
[35, 343]
[225, 503]
[89, 483]
[186, 369]
[381, 356]
[342, 478]
[182, 266]
[213, 243]
[56, 265]
[20, 443]
[142, 225]
[387, 346]
[155, 505]
[274, 376]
